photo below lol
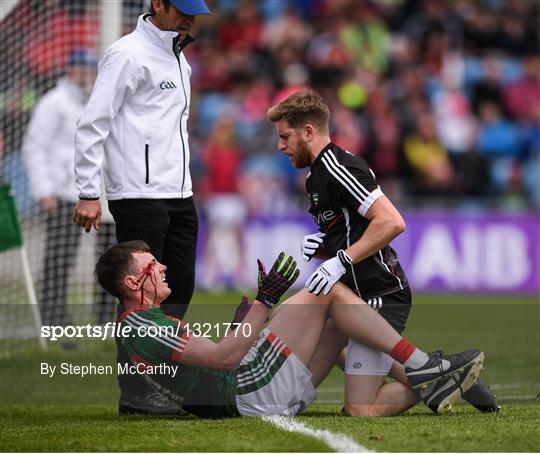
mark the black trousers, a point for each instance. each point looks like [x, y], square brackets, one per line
[170, 228]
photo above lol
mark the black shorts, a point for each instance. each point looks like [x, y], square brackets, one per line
[394, 307]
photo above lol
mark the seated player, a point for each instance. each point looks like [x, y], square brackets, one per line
[270, 370]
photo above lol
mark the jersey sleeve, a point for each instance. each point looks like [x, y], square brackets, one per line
[158, 340]
[353, 184]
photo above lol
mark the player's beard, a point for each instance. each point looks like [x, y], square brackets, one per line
[302, 157]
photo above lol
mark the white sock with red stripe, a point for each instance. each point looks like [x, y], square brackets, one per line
[408, 354]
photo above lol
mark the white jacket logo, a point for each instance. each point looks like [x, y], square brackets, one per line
[166, 85]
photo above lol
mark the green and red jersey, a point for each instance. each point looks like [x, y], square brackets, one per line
[157, 339]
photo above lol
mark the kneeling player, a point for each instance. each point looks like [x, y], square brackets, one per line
[270, 370]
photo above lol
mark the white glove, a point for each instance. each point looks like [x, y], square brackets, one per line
[328, 273]
[310, 245]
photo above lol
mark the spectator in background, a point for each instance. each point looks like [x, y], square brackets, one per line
[326, 57]
[48, 153]
[251, 131]
[433, 50]
[225, 210]
[498, 141]
[434, 16]
[287, 28]
[213, 70]
[295, 77]
[383, 152]
[515, 37]
[264, 186]
[365, 36]
[243, 29]
[523, 97]
[490, 87]
[455, 123]
[349, 130]
[432, 173]
[531, 156]
[407, 92]
[64, 29]
[481, 31]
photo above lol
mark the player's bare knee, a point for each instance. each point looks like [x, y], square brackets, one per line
[338, 294]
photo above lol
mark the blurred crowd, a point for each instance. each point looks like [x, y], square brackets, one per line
[442, 98]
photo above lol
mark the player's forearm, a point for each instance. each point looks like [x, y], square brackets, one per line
[235, 345]
[379, 234]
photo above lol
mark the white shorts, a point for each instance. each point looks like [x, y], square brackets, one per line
[272, 380]
[363, 360]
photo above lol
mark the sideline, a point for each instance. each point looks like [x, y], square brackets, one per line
[336, 442]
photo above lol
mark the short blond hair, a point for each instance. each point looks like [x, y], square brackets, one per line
[301, 108]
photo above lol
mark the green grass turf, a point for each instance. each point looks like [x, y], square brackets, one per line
[69, 413]
[63, 428]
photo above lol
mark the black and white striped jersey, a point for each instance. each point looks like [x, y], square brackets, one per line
[341, 190]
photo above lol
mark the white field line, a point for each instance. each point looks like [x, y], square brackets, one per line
[336, 442]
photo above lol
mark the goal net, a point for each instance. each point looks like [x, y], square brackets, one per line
[49, 51]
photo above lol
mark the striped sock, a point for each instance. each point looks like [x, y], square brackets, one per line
[408, 354]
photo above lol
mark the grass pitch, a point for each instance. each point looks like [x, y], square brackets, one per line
[70, 413]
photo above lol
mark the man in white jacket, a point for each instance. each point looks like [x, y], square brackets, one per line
[136, 124]
[48, 157]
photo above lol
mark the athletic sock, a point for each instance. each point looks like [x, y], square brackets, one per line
[417, 359]
[408, 354]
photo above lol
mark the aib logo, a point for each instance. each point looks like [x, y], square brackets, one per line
[167, 85]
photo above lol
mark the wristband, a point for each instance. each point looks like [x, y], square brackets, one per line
[261, 297]
[344, 258]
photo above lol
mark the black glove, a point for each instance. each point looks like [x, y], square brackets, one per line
[273, 285]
